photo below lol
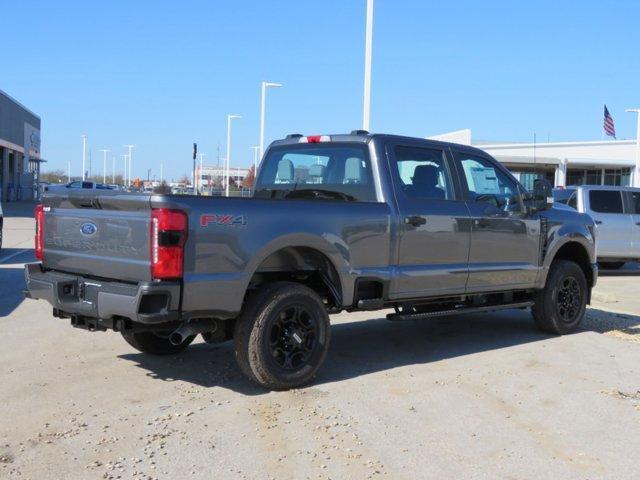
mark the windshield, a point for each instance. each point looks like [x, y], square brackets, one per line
[339, 172]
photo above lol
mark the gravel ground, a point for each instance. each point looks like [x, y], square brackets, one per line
[479, 396]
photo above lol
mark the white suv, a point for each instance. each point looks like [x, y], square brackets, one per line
[616, 213]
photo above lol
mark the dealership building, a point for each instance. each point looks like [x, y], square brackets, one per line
[19, 150]
[605, 162]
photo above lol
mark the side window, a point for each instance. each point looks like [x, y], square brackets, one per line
[423, 173]
[75, 185]
[573, 200]
[488, 184]
[605, 201]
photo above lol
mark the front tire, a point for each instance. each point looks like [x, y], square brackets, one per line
[282, 336]
[154, 343]
[560, 306]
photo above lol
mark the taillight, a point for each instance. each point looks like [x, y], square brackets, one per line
[39, 238]
[168, 236]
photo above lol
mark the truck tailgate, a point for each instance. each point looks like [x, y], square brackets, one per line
[103, 235]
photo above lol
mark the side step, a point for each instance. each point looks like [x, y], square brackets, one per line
[371, 304]
[395, 317]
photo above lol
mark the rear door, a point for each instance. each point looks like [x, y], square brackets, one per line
[634, 209]
[104, 236]
[505, 239]
[613, 225]
[433, 245]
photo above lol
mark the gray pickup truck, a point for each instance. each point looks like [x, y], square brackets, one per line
[342, 222]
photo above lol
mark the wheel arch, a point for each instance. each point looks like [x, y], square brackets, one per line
[305, 259]
[575, 250]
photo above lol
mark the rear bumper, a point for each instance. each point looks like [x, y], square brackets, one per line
[74, 295]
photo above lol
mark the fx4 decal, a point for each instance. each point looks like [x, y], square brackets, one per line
[207, 219]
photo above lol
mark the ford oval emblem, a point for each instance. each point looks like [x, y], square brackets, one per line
[88, 229]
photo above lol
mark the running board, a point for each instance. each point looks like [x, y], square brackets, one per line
[395, 317]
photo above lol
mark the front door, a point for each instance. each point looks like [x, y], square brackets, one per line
[434, 234]
[505, 240]
[613, 225]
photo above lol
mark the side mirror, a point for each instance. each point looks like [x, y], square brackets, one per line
[542, 194]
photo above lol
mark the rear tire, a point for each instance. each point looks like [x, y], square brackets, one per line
[154, 343]
[611, 265]
[560, 306]
[282, 336]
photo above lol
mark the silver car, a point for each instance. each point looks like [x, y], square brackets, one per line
[616, 213]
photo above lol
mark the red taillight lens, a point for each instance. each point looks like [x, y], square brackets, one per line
[168, 236]
[39, 238]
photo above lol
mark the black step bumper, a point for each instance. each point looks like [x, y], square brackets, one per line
[73, 295]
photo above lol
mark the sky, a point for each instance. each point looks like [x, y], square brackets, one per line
[162, 75]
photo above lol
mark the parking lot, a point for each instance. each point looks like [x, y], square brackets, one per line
[478, 396]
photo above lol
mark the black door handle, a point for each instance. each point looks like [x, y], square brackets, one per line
[598, 222]
[638, 223]
[415, 220]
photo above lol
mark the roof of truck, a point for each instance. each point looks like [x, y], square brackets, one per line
[362, 136]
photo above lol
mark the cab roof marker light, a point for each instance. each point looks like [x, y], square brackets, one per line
[315, 139]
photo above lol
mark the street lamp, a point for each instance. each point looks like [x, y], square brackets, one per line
[124, 176]
[255, 149]
[84, 155]
[199, 177]
[367, 66]
[228, 159]
[130, 147]
[104, 164]
[265, 85]
[636, 173]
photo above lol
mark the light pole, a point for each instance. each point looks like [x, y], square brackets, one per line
[255, 149]
[84, 155]
[69, 170]
[124, 176]
[366, 113]
[104, 164]
[113, 169]
[265, 85]
[199, 178]
[161, 171]
[636, 172]
[130, 147]
[228, 159]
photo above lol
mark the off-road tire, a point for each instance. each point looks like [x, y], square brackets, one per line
[550, 302]
[153, 343]
[254, 337]
[611, 265]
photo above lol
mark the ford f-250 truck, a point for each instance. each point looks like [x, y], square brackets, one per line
[342, 222]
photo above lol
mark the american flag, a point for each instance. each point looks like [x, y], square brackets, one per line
[609, 127]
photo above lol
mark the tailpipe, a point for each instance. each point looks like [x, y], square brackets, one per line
[191, 328]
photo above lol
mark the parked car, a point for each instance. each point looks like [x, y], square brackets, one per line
[344, 222]
[616, 212]
[81, 184]
[1, 224]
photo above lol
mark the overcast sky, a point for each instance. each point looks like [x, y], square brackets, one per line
[162, 75]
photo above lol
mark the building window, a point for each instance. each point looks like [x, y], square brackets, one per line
[617, 177]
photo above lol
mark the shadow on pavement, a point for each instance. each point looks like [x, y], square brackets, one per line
[11, 287]
[358, 348]
[603, 321]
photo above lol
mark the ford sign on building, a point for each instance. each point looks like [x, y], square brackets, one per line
[19, 150]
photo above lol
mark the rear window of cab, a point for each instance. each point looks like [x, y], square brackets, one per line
[339, 172]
